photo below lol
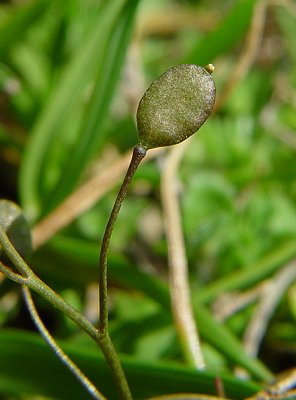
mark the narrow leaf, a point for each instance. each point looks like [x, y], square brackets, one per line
[29, 367]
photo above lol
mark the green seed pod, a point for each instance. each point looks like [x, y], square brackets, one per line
[175, 105]
[16, 227]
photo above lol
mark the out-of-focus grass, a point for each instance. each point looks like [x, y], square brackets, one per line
[71, 74]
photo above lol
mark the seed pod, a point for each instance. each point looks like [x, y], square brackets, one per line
[16, 227]
[175, 105]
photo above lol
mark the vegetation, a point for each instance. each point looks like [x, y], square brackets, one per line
[218, 208]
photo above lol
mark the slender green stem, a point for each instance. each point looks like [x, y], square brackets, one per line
[102, 339]
[83, 379]
[13, 255]
[35, 283]
[12, 275]
[105, 341]
[113, 361]
[138, 154]
[100, 335]
[57, 301]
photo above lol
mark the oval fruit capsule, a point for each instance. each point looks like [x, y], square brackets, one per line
[175, 105]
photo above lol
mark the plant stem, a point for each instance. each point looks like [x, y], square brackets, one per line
[13, 255]
[138, 155]
[113, 361]
[105, 340]
[35, 283]
[58, 302]
[12, 275]
[100, 335]
[89, 386]
[102, 338]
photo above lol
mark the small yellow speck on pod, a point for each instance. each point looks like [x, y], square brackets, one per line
[175, 105]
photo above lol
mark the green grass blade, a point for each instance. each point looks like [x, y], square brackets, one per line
[65, 95]
[14, 27]
[227, 34]
[224, 341]
[28, 367]
[249, 276]
[90, 132]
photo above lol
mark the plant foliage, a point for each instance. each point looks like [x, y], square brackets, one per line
[71, 76]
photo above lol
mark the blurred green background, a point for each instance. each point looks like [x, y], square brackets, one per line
[71, 75]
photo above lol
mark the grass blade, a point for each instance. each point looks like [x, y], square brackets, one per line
[63, 99]
[90, 132]
[41, 373]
